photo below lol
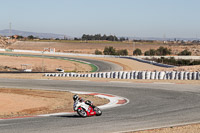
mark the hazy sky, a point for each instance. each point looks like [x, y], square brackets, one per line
[134, 18]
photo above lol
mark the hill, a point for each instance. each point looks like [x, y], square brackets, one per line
[35, 34]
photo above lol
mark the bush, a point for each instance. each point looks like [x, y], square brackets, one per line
[122, 52]
[185, 52]
[163, 51]
[179, 62]
[137, 52]
[109, 51]
[97, 52]
[150, 52]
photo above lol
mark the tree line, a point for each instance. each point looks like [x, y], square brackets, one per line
[112, 51]
[161, 51]
[176, 62]
[104, 37]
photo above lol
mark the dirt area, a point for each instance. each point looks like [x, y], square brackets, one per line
[10, 63]
[89, 48]
[194, 128]
[129, 65]
[26, 102]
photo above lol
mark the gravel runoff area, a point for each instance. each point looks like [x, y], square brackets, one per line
[193, 128]
[26, 102]
[129, 65]
[16, 62]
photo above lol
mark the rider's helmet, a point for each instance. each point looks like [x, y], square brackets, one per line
[75, 97]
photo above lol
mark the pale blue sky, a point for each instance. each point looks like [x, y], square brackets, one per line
[134, 18]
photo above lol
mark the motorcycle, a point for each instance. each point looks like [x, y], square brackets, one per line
[85, 110]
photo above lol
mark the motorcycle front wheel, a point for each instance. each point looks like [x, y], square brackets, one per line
[98, 111]
[82, 112]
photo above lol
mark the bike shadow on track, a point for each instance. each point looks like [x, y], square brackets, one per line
[68, 116]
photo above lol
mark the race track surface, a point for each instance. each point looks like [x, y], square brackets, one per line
[151, 105]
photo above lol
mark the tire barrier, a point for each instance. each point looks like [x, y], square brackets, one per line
[157, 75]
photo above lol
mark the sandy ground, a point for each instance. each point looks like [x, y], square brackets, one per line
[36, 64]
[89, 48]
[24, 102]
[129, 65]
[194, 128]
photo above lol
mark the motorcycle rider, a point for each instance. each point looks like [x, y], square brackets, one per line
[78, 100]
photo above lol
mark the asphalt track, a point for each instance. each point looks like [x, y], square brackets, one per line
[151, 105]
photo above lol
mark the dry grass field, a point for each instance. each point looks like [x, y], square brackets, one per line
[90, 47]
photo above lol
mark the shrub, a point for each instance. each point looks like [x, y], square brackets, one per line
[185, 52]
[97, 52]
[163, 51]
[109, 51]
[150, 52]
[122, 52]
[137, 52]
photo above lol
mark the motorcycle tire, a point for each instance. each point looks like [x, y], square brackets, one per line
[98, 111]
[82, 112]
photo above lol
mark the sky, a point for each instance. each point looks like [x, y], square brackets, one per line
[129, 18]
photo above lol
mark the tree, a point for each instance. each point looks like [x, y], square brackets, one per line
[109, 51]
[31, 37]
[163, 51]
[97, 52]
[147, 53]
[76, 39]
[185, 52]
[122, 52]
[150, 52]
[137, 52]
[122, 39]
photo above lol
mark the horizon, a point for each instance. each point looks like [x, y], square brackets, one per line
[130, 37]
[129, 18]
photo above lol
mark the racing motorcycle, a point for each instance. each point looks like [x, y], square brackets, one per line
[85, 109]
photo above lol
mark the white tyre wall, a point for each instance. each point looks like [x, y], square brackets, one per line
[186, 75]
[136, 75]
[143, 75]
[190, 75]
[161, 75]
[153, 74]
[181, 75]
[148, 75]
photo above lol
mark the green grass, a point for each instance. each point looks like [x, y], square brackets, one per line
[94, 68]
